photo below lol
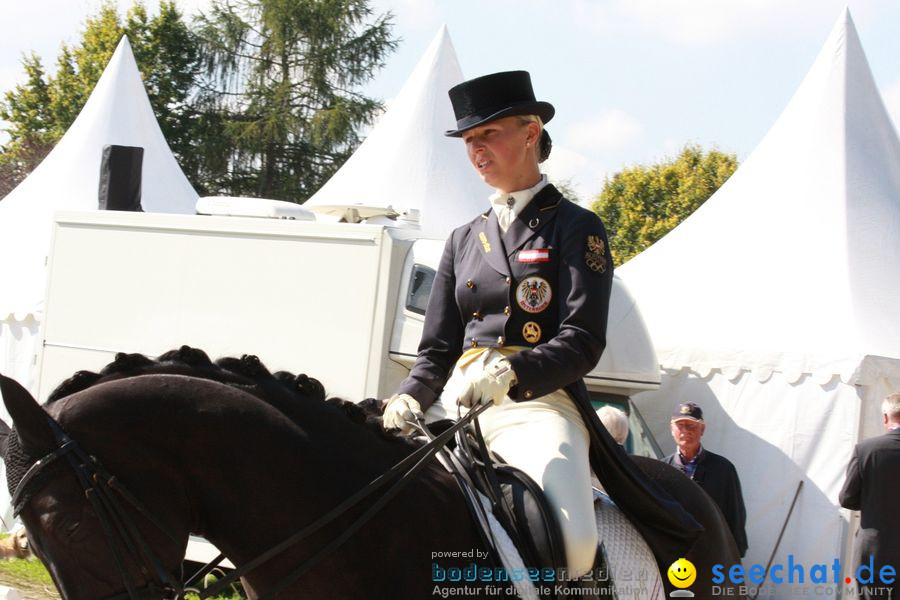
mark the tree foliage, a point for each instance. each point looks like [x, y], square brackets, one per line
[41, 110]
[278, 105]
[31, 126]
[641, 204]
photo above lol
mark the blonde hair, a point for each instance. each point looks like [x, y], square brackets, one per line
[531, 119]
[544, 143]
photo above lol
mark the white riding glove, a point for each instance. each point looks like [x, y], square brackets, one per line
[491, 386]
[400, 409]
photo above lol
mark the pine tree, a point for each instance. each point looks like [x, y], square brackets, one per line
[279, 108]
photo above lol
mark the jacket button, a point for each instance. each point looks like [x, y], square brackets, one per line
[470, 284]
[506, 311]
[500, 341]
[474, 343]
[508, 280]
[528, 394]
[476, 314]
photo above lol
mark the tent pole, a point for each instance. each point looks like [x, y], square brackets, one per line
[778, 541]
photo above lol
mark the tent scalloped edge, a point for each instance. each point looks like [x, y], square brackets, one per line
[851, 370]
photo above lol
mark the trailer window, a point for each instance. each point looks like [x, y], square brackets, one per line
[419, 288]
[640, 440]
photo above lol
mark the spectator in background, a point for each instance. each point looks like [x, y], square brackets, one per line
[872, 487]
[615, 421]
[714, 473]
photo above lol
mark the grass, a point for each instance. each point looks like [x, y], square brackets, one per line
[33, 571]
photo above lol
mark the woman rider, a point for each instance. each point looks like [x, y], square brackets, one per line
[517, 317]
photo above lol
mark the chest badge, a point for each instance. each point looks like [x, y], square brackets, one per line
[531, 331]
[595, 256]
[534, 294]
[484, 242]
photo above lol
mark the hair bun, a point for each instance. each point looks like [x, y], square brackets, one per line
[546, 146]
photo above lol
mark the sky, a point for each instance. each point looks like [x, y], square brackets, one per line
[633, 81]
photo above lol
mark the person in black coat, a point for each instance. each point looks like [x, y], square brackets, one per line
[517, 317]
[713, 472]
[872, 487]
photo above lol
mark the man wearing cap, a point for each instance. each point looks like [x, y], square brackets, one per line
[714, 473]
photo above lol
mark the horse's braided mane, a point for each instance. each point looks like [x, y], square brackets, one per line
[247, 373]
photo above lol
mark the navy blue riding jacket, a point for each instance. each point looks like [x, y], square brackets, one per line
[543, 285]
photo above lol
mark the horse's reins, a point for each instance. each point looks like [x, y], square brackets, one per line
[471, 492]
[404, 474]
[103, 489]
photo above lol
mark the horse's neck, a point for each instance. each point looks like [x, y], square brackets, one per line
[285, 476]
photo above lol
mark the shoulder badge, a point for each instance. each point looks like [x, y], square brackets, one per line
[595, 256]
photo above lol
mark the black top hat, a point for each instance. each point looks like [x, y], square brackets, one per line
[495, 96]
[688, 411]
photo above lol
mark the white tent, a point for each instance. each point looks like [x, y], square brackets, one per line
[406, 162]
[774, 306]
[117, 112]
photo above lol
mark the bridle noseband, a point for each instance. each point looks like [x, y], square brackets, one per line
[108, 498]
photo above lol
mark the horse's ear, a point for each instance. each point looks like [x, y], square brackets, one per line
[29, 418]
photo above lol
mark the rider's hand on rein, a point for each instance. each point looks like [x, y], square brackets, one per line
[400, 411]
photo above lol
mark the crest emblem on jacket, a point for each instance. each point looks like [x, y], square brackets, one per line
[533, 294]
[595, 256]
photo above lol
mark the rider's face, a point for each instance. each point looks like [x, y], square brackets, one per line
[502, 152]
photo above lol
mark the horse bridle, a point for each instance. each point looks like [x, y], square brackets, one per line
[107, 495]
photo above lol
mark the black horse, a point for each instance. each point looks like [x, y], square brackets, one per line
[235, 454]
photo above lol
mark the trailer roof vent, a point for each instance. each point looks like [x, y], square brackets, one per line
[252, 207]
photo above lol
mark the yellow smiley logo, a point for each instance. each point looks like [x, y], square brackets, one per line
[682, 573]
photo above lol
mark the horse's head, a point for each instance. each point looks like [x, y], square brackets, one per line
[91, 537]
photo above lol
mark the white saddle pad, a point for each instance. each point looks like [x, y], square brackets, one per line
[630, 563]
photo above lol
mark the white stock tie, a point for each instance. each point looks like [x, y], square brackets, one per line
[506, 216]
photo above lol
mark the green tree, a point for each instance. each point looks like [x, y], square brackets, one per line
[40, 111]
[31, 126]
[640, 204]
[279, 107]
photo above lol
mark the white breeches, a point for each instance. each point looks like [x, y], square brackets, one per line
[546, 438]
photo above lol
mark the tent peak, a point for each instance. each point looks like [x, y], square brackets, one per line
[117, 112]
[798, 251]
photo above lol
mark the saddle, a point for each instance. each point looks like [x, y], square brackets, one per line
[518, 503]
